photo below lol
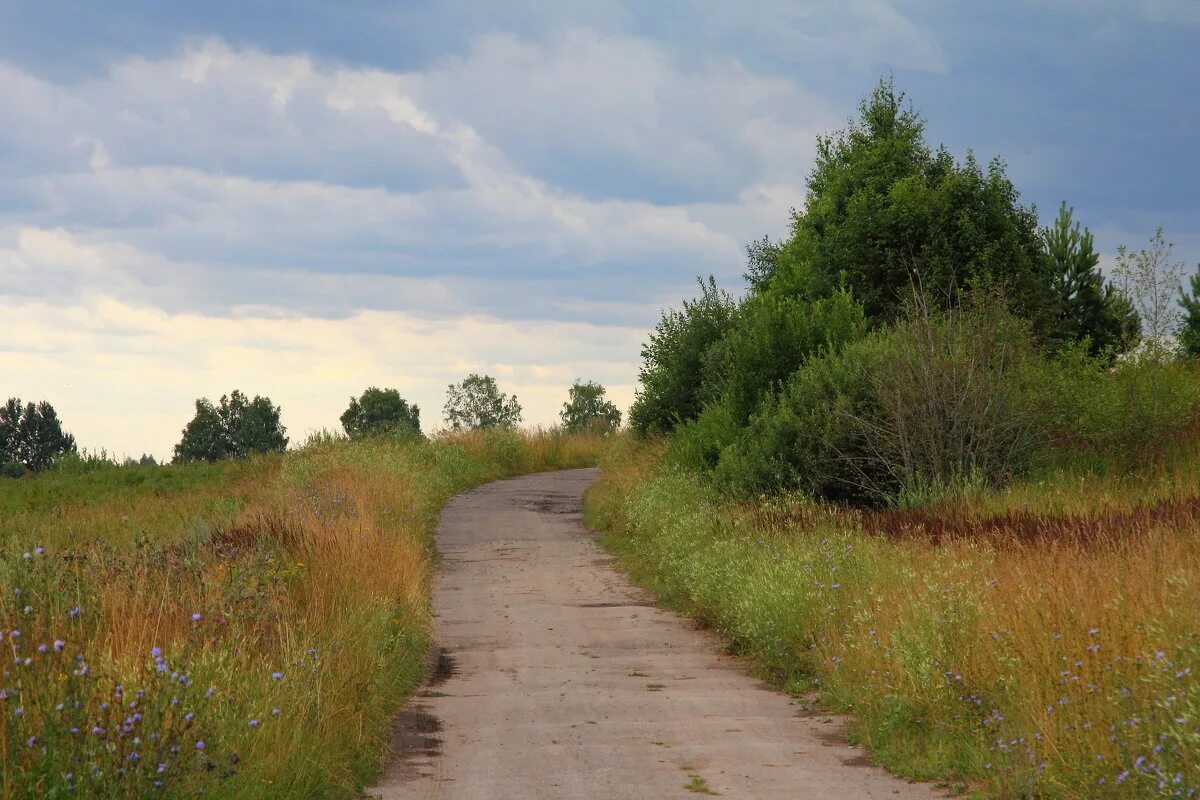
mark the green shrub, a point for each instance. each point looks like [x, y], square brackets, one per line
[797, 439]
[770, 339]
[938, 400]
[1123, 415]
[697, 445]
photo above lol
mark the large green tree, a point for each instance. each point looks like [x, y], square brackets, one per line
[234, 428]
[32, 435]
[588, 409]
[886, 216]
[1089, 307]
[379, 412]
[477, 402]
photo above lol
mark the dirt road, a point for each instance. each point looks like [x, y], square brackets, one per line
[558, 679]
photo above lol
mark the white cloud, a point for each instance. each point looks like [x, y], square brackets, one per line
[227, 218]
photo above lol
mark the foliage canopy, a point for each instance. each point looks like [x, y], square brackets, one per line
[234, 428]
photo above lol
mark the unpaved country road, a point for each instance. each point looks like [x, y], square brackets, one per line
[559, 679]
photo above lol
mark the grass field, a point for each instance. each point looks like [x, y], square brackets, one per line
[244, 629]
[1040, 642]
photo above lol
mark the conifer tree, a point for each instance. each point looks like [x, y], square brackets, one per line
[1189, 329]
[1089, 306]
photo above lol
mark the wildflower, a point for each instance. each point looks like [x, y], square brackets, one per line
[31, 741]
[162, 768]
[277, 675]
[42, 648]
[1093, 631]
[196, 617]
[74, 612]
[15, 634]
[59, 644]
[275, 712]
[19, 712]
[156, 652]
[200, 744]
[253, 723]
[37, 551]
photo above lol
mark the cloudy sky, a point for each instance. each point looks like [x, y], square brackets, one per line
[302, 199]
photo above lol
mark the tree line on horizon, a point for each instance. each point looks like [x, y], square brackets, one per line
[32, 438]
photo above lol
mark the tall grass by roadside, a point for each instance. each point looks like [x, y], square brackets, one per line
[244, 630]
[1049, 666]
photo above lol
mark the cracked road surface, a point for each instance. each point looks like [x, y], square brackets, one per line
[556, 678]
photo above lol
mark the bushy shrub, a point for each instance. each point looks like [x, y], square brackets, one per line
[1122, 415]
[770, 338]
[936, 400]
[697, 445]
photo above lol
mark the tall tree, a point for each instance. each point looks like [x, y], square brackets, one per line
[32, 435]
[1089, 307]
[587, 409]
[476, 402]
[886, 216]
[1189, 304]
[235, 428]
[381, 411]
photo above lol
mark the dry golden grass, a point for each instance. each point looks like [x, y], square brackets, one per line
[286, 602]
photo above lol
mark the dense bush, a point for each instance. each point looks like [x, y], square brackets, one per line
[940, 399]
[769, 337]
[1125, 414]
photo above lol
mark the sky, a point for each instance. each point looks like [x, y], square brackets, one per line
[302, 199]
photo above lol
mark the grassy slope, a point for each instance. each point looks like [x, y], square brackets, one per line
[308, 575]
[1023, 667]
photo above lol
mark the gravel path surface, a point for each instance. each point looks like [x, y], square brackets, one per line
[558, 679]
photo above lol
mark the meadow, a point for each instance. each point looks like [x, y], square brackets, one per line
[1041, 640]
[240, 629]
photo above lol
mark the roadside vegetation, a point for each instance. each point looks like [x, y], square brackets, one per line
[243, 623]
[936, 465]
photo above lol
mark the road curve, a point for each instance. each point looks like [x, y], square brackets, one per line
[558, 679]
